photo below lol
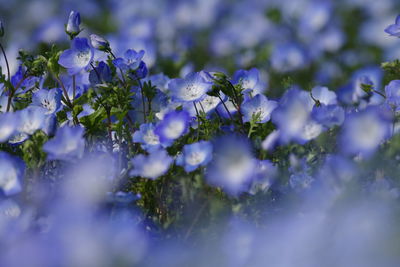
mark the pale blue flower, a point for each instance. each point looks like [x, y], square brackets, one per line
[78, 57]
[68, 144]
[195, 155]
[11, 174]
[258, 107]
[151, 166]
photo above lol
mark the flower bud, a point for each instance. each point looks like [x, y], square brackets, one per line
[72, 27]
[99, 43]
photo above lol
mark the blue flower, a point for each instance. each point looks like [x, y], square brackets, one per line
[72, 27]
[11, 174]
[49, 100]
[292, 117]
[31, 119]
[247, 79]
[152, 166]
[233, 165]
[130, 61]
[328, 115]
[78, 57]
[364, 131]
[195, 155]
[23, 83]
[8, 125]
[392, 91]
[192, 88]
[324, 95]
[100, 74]
[68, 144]
[173, 125]
[258, 107]
[146, 136]
[326, 111]
[394, 29]
[288, 57]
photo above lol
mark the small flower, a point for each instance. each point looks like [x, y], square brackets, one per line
[78, 57]
[173, 126]
[324, 95]
[8, 125]
[195, 155]
[364, 131]
[72, 27]
[23, 83]
[392, 91]
[147, 137]
[11, 173]
[31, 119]
[99, 43]
[68, 144]
[192, 88]
[293, 115]
[258, 107]
[247, 79]
[100, 74]
[152, 166]
[328, 115]
[394, 29]
[233, 165]
[131, 60]
[49, 100]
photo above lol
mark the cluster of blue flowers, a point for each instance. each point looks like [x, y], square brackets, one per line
[105, 155]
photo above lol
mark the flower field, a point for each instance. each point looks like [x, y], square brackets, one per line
[200, 133]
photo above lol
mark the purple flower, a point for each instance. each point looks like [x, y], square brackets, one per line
[152, 166]
[130, 61]
[173, 126]
[195, 155]
[11, 173]
[78, 57]
[394, 29]
[68, 144]
[328, 115]
[100, 74]
[258, 107]
[192, 88]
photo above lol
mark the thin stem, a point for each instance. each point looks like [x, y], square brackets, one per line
[13, 90]
[226, 108]
[198, 120]
[143, 99]
[196, 218]
[97, 73]
[109, 127]
[379, 93]
[122, 73]
[5, 58]
[73, 88]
